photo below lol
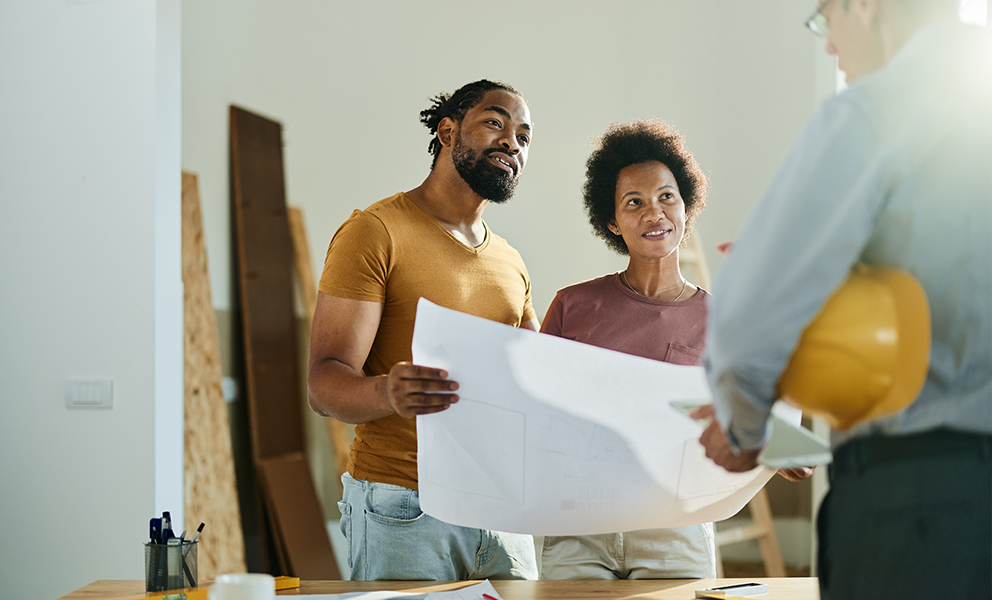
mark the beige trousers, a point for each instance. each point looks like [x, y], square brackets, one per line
[678, 553]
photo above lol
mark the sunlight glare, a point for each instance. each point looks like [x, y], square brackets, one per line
[975, 12]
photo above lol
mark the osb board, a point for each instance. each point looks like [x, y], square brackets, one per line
[338, 432]
[211, 495]
[272, 368]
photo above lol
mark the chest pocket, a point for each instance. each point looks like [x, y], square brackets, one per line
[684, 355]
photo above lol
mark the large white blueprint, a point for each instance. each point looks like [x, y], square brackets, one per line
[554, 437]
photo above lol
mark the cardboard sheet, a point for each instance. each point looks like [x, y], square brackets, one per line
[554, 437]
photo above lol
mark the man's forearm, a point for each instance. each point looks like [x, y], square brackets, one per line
[336, 390]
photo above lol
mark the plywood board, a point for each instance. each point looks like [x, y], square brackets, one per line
[211, 495]
[272, 377]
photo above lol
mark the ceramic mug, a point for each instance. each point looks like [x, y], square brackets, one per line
[243, 586]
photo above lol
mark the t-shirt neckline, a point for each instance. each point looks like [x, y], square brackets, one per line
[475, 250]
[646, 300]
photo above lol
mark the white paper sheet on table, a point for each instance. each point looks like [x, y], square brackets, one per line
[554, 437]
[471, 592]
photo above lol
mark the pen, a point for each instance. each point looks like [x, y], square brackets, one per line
[196, 535]
[189, 575]
[488, 597]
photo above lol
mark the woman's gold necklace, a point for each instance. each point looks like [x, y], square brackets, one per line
[623, 275]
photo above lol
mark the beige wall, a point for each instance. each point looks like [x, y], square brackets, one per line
[347, 80]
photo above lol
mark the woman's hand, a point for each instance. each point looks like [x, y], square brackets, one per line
[797, 474]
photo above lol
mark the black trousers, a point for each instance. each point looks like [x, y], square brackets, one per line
[908, 517]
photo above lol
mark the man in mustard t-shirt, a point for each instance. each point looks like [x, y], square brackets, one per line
[430, 242]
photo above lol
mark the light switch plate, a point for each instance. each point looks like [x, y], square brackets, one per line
[89, 393]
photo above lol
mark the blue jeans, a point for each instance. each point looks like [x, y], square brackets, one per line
[390, 538]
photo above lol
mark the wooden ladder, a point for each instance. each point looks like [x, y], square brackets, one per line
[693, 259]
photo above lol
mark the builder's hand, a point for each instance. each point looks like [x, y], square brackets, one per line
[720, 452]
[413, 390]
[717, 448]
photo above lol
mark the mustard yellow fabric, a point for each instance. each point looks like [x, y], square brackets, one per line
[395, 253]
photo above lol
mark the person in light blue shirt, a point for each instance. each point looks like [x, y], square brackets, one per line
[896, 171]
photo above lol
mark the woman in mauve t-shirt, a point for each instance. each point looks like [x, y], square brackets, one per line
[642, 192]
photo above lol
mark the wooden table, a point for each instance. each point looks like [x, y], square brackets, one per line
[779, 588]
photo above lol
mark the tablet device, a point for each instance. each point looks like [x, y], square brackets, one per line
[792, 446]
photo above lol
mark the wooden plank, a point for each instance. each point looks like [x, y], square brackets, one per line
[211, 495]
[307, 551]
[265, 272]
[338, 432]
[265, 280]
[301, 252]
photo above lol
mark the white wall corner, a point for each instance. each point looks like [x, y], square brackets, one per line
[168, 265]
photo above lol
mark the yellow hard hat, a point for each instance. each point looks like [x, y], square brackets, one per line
[866, 353]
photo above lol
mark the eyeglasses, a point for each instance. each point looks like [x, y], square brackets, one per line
[817, 23]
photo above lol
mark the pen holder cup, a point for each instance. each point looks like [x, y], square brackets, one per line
[170, 566]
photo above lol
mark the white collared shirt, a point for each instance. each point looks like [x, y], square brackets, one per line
[895, 171]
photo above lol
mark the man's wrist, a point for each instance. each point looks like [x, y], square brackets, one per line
[740, 442]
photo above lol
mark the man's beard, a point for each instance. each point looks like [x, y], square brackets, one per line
[484, 178]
